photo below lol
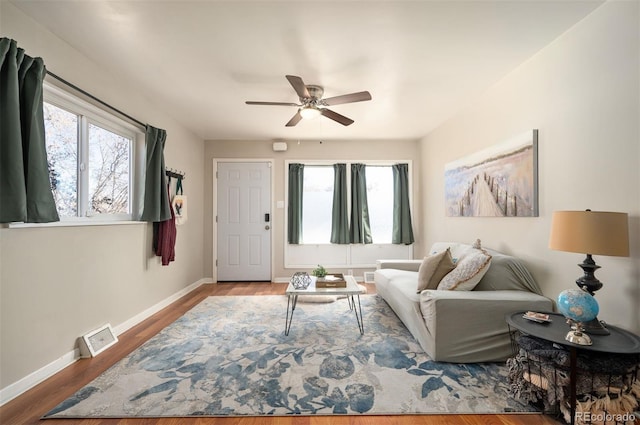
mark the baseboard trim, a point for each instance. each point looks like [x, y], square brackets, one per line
[138, 318]
[23, 385]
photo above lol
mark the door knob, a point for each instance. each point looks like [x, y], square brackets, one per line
[266, 227]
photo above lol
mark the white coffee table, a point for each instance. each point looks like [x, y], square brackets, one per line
[352, 292]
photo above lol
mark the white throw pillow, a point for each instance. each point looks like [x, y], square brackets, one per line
[433, 269]
[468, 272]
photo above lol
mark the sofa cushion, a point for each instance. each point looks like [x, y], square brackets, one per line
[433, 269]
[468, 272]
[399, 281]
[507, 273]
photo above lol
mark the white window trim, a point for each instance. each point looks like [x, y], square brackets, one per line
[92, 114]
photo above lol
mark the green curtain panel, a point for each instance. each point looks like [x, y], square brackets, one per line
[402, 228]
[156, 199]
[25, 188]
[360, 227]
[294, 224]
[339, 212]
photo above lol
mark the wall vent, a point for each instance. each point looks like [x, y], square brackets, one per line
[95, 342]
[368, 277]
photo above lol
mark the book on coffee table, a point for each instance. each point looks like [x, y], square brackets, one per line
[335, 280]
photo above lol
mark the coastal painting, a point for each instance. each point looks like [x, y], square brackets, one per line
[500, 181]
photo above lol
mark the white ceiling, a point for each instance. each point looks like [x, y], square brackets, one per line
[422, 61]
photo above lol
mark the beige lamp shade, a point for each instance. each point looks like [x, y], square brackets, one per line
[590, 232]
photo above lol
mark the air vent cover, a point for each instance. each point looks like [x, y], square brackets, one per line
[97, 341]
[369, 277]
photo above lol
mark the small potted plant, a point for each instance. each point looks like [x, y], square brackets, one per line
[319, 271]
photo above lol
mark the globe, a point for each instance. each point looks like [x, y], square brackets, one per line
[578, 305]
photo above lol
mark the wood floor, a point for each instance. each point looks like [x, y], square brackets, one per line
[29, 407]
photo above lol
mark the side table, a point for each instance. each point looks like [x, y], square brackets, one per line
[619, 341]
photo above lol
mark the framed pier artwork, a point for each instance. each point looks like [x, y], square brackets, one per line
[500, 181]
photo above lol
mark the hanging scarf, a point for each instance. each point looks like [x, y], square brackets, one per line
[164, 236]
[180, 204]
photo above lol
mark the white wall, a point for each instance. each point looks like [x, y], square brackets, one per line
[57, 283]
[582, 92]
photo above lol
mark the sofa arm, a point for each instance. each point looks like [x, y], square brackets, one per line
[408, 265]
[470, 326]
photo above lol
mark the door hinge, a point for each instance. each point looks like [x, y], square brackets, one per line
[216, 262]
[216, 219]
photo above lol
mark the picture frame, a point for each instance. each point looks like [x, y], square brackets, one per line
[499, 181]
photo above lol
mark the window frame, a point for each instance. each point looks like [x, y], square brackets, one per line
[89, 114]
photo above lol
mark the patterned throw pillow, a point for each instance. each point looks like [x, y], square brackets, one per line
[433, 269]
[468, 272]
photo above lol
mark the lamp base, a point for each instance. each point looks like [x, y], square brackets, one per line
[588, 281]
[595, 327]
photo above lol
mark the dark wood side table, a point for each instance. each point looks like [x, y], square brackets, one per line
[555, 331]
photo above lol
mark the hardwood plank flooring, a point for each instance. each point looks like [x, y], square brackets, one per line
[28, 408]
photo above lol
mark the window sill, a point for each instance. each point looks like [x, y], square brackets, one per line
[75, 223]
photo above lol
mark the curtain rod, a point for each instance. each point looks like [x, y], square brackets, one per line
[73, 86]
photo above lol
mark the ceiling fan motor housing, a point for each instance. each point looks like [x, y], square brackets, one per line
[315, 92]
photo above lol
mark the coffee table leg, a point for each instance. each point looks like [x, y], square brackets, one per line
[292, 300]
[358, 312]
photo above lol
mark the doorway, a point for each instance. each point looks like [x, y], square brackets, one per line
[243, 221]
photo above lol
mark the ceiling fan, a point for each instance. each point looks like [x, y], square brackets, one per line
[312, 104]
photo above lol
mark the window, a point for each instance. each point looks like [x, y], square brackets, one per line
[380, 201]
[317, 199]
[91, 160]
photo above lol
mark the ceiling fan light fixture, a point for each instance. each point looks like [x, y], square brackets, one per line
[309, 112]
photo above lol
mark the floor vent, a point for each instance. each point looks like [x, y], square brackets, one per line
[95, 342]
[368, 277]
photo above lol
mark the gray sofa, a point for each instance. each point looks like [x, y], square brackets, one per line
[461, 326]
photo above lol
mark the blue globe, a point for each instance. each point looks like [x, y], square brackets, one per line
[578, 305]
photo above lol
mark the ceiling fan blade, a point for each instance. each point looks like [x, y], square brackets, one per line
[299, 86]
[347, 98]
[251, 102]
[336, 117]
[294, 120]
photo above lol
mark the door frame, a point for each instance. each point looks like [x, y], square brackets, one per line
[214, 233]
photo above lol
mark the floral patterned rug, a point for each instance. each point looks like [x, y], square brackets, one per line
[229, 356]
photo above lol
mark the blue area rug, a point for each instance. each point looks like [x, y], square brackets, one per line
[229, 356]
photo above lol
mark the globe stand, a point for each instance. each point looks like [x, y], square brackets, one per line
[576, 335]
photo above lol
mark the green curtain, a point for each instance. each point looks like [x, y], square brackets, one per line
[402, 228]
[25, 188]
[294, 225]
[156, 199]
[360, 227]
[339, 212]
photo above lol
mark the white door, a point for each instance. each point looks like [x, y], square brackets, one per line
[244, 221]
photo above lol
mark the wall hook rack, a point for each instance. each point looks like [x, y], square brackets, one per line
[170, 172]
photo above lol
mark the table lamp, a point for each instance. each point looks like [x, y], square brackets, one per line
[590, 232]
